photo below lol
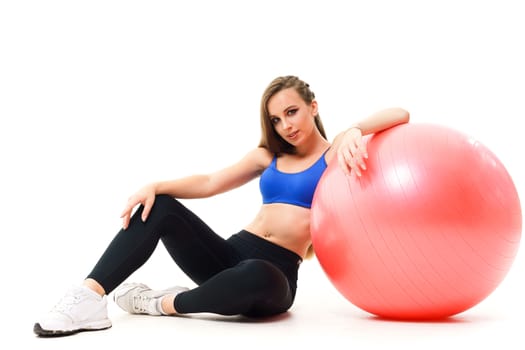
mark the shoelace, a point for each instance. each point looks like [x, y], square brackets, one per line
[66, 303]
[142, 304]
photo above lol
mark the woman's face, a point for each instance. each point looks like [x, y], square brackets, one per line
[291, 117]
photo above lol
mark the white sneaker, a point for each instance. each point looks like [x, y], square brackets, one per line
[138, 298]
[81, 309]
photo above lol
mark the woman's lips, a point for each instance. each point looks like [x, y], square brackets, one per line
[293, 135]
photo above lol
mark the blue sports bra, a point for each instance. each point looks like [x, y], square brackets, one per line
[291, 188]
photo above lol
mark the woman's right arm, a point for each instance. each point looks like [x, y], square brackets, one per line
[200, 186]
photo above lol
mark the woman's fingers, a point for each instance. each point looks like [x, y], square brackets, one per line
[126, 213]
[352, 157]
[342, 163]
[148, 204]
[125, 221]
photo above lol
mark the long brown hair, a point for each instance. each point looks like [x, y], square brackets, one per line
[270, 139]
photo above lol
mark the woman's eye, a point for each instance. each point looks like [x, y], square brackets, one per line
[275, 120]
[291, 112]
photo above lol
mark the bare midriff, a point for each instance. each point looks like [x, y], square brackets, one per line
[285, 225]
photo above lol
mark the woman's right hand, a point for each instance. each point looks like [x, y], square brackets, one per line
[146, 197]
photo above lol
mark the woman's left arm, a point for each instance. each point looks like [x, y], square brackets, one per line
[349, 147]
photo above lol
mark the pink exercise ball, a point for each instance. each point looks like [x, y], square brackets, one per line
[430, 229]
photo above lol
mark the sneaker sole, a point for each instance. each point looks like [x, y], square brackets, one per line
[41, 332]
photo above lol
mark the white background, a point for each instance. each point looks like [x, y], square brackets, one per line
[98, 98]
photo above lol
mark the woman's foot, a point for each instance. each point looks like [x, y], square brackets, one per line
[138, 298]
[81, 309]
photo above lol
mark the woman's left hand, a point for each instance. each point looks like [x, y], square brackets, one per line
[351, 153]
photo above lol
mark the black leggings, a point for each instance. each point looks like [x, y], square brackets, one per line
[242, 275]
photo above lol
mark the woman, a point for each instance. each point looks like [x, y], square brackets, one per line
[253, 272]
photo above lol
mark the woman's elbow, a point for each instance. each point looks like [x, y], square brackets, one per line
[402, 115]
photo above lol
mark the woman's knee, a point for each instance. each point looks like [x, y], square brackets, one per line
[164, 200]
[165, 204]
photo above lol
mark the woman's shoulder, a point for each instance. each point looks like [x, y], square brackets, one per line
[260, 156]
